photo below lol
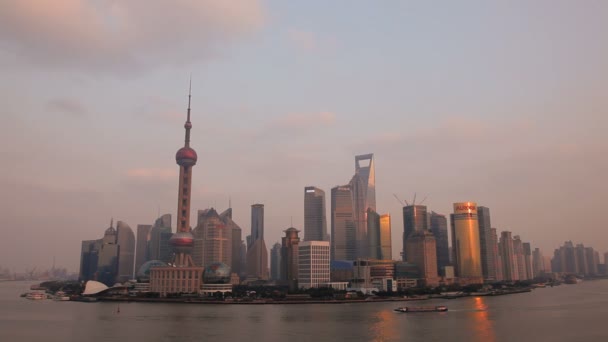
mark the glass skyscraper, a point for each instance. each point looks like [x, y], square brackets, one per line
[465, 242]
[439, 228]
[343, 242]
[315, 222]
[363, 187]
[487, 244]
[415, 219]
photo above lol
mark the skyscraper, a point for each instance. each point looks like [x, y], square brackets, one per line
[107, 262]
[439, 228]
[141, 245]
[212, 239]
[289, 257]
[158, 248]
[422, 252]
[126, 252]
[257, 253]
[363, 187]
[518, 254]
[507, 255]
[386, 244]
[379, 235]
[528, 260]
[236, 241]
[465, 241]
[538, 263]
[343, 229]
[415, 219]
[315, 222]
[487, 244]
[373, 234]
[275, 262]
[184, 276]
[89, 256]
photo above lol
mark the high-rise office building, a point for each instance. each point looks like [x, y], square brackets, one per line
[487, 245]
[507, 255]
[379, 235]
[184, 276]
[315, 222]
[89, 256]
[275, 262]
[126, 251]
[289, 257]
[465, 241]
[160, 234]
[386, 244]
[493, 238]
[415, 219]
[422, 251]
[439, 228]
[257, 222]
[363, 187]
[373, 234]
[313, 264]
[141, 245]
[257, 253]
[236, 241]
[107, 262]
[212, 239]
[343, 229]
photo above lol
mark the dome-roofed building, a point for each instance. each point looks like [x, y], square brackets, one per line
[217, 273]
[143, 274]
[216, 279]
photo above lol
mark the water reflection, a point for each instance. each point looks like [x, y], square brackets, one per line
[384, 328]
[483, 326]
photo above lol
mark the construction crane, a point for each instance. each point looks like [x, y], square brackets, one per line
[400, 201]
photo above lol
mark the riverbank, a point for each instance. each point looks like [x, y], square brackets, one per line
[256, 301]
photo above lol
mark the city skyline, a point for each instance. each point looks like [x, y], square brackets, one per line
[288, 94]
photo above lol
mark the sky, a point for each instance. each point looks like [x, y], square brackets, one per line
[504, 103]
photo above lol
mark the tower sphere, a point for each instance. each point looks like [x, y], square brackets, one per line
[186, 156]
[182, 242]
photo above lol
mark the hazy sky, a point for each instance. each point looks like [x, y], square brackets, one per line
[504, 103]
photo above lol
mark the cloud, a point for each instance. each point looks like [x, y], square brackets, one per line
[123, 35]
[67, 106]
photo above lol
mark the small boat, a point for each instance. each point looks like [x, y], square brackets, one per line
[35, 295]
[440, 308]
[61, 297]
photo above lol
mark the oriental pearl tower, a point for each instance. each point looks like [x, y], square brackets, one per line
[182, 241]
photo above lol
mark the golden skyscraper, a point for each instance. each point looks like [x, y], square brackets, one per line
[465, 242]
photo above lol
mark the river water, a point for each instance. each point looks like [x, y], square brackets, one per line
[563, 313]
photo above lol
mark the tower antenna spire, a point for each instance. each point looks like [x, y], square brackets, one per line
[188, 124]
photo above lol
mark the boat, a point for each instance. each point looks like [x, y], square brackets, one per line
[35, 295]
[440, 308]
[61, 297]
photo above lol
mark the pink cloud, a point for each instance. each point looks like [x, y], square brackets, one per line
[124, 34]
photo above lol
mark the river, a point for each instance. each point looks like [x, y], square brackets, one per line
[563, 313]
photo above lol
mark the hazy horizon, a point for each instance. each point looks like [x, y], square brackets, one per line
[504, 104]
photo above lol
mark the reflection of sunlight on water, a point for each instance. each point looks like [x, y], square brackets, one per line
[483, 327]
[384, 328]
